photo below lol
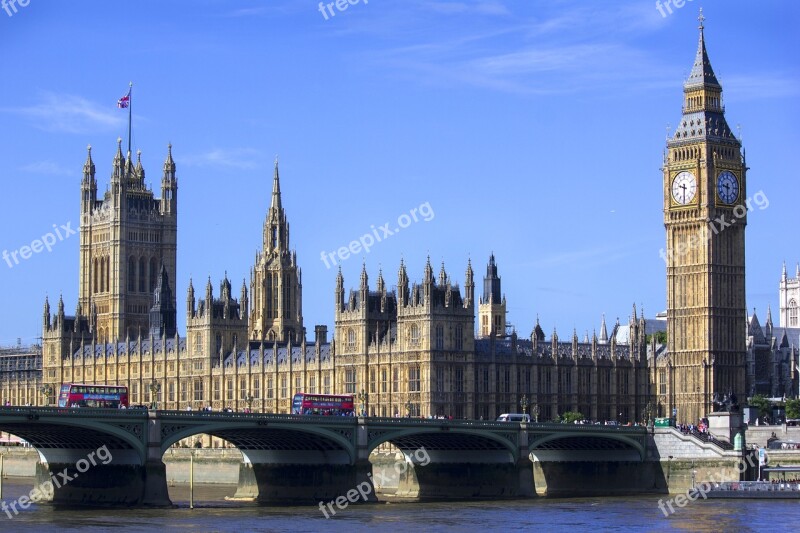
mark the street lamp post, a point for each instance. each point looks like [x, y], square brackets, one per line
[155, 388]
[46, 391]
[249, 399]
[409, 407]
[524, 403]
[535, 412]
[363, 397]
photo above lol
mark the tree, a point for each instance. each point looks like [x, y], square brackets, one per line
[660, 336]
[570, 417]
[762, 404]
[793, 408]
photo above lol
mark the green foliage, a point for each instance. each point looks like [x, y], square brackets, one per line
[762, 404]
[570, 417]
[660, 336]
[793, 408]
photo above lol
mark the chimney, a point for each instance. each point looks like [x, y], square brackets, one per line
[321, 334]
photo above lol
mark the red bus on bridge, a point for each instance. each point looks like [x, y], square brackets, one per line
[81, 395]
[322, 404]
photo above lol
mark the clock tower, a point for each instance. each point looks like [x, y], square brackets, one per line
[705, 214]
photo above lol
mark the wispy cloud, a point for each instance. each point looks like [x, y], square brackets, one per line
[69, 113]
[241, 158]
[247, 12]
[483, 8]
[759, 87]
[46, 167]
[587, 257]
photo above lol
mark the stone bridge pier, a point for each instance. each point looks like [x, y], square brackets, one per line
[448, 462]
[83, 464]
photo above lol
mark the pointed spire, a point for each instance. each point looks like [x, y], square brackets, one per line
[603, 331]
[783, 273]
[442, 276]
[119, 162]
[139, 168]
[428, 270]
[88, 166]
[797, 271]
[169, 163]
[276, 188]
[702, 73]
[381, 284]
[364, 277]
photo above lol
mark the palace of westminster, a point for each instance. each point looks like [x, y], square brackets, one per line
[416, 350]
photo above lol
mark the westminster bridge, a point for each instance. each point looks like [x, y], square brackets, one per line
[114, 456]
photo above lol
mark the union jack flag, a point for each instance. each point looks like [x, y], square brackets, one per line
[125, 101]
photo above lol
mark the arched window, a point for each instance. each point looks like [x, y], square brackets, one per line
[153, 274]
[95, 277]
[351, 339]
[414, 334]
[792, 313]
[108, 274]
[131, 274]
[142, 275]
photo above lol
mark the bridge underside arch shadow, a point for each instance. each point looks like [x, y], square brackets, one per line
[283, 463]
[582, 464]
[446, 463]
[90, 459]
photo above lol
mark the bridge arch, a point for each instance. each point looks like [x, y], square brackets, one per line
[258, 438]
[446, 440]
[581, 441]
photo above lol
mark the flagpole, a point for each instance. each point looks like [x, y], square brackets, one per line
[130, 105]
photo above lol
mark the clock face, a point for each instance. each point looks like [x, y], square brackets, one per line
[684, 187]
[727, 187]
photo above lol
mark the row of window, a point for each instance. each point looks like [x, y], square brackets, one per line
[414, 337]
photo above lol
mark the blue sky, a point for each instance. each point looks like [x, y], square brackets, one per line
[532, 129]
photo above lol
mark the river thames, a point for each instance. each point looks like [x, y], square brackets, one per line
[213, 513]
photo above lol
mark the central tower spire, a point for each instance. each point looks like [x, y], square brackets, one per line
[275, 282]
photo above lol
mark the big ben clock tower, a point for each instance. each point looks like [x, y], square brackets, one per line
[705, 216]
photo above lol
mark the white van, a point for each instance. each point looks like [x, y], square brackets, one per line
[514, 417]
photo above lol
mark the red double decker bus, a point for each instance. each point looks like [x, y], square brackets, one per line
[322, 404]
[81, 395]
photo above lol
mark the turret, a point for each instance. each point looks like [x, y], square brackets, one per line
[209, 298]
[169, 185]
[339, 291]
[603, 331]
[364, 286]
[243, 301]
[402, 285]
[190, 301]
[469, 286]
[46, 314]
[88, 184]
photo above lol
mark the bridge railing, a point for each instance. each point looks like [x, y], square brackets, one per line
[229, 415]
[89, 412]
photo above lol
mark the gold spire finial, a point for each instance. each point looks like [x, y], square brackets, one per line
[701, 18]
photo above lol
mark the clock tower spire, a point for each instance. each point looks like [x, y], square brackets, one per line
[705, 215]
